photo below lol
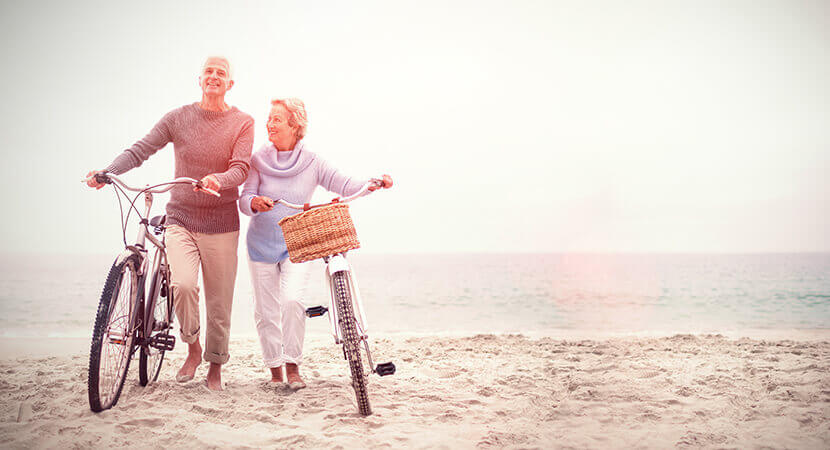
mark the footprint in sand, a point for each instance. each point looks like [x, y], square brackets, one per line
[486, 391]
[145, 423]
[208, 411]
[684, 391]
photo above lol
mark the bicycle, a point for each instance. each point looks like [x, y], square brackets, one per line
[128, 317]
[326, 231]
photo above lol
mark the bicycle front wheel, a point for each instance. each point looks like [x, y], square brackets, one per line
[351, 339]
[160, 318]
[113, 335]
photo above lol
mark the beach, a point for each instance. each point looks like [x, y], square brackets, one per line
[477, 391]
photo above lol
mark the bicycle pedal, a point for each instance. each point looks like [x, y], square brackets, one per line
[117, 338]
[384, 369]
[316, 311]
[163, 342]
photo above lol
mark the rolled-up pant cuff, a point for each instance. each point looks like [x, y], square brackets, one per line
[216, 358]
[273, 363]
[189, 338]
[290, 360]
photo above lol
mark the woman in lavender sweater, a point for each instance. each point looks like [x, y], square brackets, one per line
[284, 169]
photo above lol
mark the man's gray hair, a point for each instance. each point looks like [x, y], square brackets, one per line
[223, 58]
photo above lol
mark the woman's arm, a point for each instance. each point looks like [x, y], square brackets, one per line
[249, 191]
[333, 180]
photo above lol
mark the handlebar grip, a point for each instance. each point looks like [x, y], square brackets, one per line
[381, 183]
[102, 177]
[211, 192]
[198, 185]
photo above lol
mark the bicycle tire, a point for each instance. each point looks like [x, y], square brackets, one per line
[161, 317]
[121, 333]
[351, 339]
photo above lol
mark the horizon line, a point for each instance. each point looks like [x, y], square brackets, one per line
[489, 253]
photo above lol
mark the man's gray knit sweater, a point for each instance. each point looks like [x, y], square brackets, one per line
[204, 142]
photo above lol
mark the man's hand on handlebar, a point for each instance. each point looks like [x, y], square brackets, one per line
[385, 182]
[95, 181]
[209, 182]
[262, 204]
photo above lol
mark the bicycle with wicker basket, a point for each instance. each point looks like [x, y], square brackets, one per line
[326, 231]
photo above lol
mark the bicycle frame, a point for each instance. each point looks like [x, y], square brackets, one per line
[141, 251]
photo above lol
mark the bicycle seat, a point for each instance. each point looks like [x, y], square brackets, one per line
[158, 221]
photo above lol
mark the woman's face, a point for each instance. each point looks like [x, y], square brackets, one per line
[282, 135]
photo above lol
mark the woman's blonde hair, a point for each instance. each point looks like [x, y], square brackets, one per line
[298, 119]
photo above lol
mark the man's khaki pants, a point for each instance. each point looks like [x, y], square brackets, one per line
[217, 255]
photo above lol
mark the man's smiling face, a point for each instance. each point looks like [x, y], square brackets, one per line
[215, 78]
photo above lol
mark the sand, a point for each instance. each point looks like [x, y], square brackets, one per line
[483, 391]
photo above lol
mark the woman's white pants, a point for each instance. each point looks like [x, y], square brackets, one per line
[279, 312]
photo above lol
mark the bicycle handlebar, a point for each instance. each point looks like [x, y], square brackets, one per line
[108, 178]
[363, 191]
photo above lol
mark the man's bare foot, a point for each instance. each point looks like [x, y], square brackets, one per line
[276, 374]
[292, 372]
[194, 358]
[214, 377]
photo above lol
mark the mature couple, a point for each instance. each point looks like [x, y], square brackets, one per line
[212, 142]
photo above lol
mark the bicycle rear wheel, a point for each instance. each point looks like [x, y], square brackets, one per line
[113, 335]
[351, 339]
[161, 322]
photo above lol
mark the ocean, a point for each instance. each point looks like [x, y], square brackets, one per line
[57, 296]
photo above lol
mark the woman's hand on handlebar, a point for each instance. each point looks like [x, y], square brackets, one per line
[385, 182]
[262, 204]
[92, 181]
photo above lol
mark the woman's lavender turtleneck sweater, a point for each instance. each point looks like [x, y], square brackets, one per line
[291, 176]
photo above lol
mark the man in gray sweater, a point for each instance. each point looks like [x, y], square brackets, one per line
[211, 142]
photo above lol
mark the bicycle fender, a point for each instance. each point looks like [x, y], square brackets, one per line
[338, 263]
[124, 255]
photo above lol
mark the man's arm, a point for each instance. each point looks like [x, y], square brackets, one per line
[240, 161]
[156, 139]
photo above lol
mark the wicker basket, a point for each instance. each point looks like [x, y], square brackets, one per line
[319, 232]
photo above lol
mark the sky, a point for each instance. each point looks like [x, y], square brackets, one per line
[524, 126]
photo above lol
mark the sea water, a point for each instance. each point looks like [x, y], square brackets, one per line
[57, 295]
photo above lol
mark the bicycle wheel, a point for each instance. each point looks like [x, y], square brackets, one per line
[161, 322]
[351, 339]
[113, 335]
